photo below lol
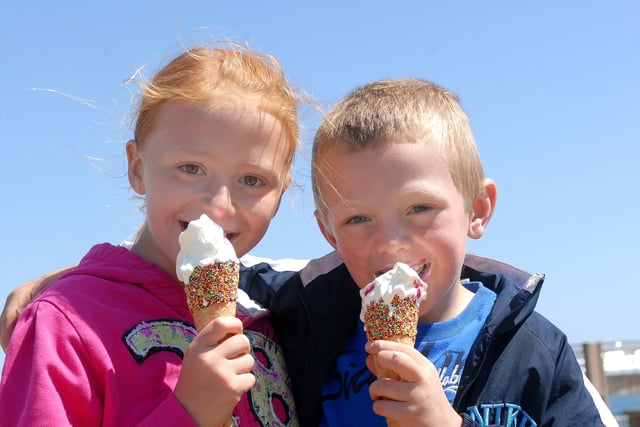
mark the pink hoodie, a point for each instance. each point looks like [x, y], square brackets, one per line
[104, 346]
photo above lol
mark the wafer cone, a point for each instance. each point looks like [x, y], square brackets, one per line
[212, 291]
[397, 322]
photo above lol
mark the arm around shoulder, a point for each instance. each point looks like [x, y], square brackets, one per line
[18, 299]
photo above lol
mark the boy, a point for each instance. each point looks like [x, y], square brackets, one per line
[397, 177]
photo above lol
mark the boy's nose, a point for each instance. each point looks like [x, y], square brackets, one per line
[391, 238]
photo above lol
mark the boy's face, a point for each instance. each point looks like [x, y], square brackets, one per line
[397, 202]
[226, 161]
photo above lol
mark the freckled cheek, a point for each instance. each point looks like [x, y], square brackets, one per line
[355, 260]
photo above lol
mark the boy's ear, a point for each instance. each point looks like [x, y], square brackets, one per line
[326, 232]
[134, 170]
[483, 207]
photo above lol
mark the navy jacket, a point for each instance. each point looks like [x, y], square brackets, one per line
[521, 370]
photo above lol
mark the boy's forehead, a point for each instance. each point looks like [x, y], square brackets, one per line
[337, 150]
[341, 164]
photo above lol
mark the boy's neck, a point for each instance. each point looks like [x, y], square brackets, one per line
[450, 306]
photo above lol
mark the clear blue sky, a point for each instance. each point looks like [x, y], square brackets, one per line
[552, 90]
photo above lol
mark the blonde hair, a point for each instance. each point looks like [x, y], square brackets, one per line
[201, 73]
[389, 110]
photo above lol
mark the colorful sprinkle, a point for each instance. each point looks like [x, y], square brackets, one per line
[400, 318]
[212, 284]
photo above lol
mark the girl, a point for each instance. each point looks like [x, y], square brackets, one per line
[112, 341]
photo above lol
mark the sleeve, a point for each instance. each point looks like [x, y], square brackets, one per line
[261, 282]
[605, 413]
[51, 378]
[48, 374]
[570, 391]
[169, 413]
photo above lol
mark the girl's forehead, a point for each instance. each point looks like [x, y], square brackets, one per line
[227, 129]
[218, 116]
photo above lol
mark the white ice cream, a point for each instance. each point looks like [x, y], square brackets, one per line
[202, 243]
[401, 280]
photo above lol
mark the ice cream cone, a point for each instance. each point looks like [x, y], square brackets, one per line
[210, 270]
[390, 306]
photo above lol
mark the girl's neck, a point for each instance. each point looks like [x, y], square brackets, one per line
[146, 247]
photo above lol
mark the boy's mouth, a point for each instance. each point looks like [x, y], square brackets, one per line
[423, 270]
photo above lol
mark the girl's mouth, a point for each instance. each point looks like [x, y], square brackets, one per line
[424, 270]
[227, 234]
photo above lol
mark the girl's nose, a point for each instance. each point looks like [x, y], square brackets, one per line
[219, 204]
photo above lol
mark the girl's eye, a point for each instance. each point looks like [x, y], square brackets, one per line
[357, 220]
[191, 169]
[252, 181]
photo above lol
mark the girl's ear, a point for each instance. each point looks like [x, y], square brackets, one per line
[483, 207]
[326, 232]
[135, 172]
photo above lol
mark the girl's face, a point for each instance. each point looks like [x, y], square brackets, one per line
[222, 159]
[397, 202]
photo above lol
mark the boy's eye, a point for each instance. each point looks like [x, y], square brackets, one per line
[252, 181]
[418, 209]
[191, 169]
[357, 220]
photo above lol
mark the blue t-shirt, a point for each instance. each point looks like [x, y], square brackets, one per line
[345, 391]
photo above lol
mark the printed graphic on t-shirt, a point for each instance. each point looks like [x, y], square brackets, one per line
[270, 399]
[501, 414]
[449, 366]
[147, 338]
[350, 379]
[268, 403]
[353, 377]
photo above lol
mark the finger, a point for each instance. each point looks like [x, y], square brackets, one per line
[375, 347]
[218, 329]
[9, 318]
[6, 328]
[391, 409]
[390, 389]
[371, 364]
[242, 364]
[245, 382]
[237, 383]
[403, 365]
[234, 346]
